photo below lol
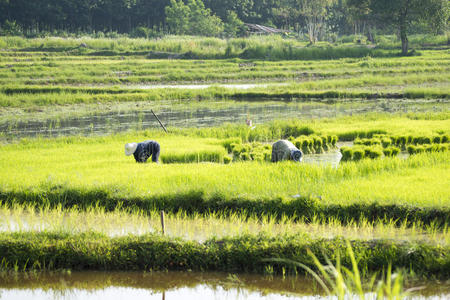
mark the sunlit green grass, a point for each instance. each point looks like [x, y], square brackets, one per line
[100, 163]
[104, 70]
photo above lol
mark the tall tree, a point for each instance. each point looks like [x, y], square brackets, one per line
[192, 18]
[286, 14]
[403, 13]
[177, 16]
[314, 12]
[359, 11]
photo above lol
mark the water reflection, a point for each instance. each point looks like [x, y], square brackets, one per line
[330, 158]
[201, 114]
[173, 285]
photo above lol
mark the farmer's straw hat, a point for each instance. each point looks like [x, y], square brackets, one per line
[130, 148]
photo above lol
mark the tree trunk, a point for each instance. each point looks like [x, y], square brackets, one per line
[404, 28]
[404, 38]
[311, 33]
[370, 37]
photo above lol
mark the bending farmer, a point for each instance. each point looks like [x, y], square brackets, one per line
[142, 151]
[285, 150]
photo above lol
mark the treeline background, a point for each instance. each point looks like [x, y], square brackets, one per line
[146, 18]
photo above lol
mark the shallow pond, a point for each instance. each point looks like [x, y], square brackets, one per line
[107, 119]
[176, 285]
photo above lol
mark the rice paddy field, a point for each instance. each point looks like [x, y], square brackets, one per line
[76, 202]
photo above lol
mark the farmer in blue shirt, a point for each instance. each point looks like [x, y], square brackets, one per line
[142, 151]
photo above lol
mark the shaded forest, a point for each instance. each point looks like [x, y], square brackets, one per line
[314, 19]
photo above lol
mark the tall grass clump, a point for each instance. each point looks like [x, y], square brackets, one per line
[349, 282]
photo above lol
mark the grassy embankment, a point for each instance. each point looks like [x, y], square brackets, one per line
[245, 253]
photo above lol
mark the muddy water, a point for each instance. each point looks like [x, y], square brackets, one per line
[175, 285]
[198, 114]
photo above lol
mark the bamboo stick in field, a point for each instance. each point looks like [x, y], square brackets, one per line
[162, 223]
[159, 121]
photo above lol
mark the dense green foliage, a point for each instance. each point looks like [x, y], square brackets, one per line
[94, 251]
[318, 19]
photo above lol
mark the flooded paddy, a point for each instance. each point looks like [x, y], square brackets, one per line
[178, 285]
[202, 228]
[106, 119]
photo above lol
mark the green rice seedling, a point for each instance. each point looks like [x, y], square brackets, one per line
[409, 140]
[395, 140]
[367, 141]
[358, 141]
[394, 151]
[367, 150]
[334, 140]
[347, 153]
[358, 154]
[227, 159]
[443, 147]
[426, 140]
[311, 143]
[376, 141]
[194, 157]
[411, 149]
[257, 156]
[419, 149]
[236, 149]
[318, 146]
[227, 143]
[386, 142]
[437, 139]
[445, 138]
[267, 154]
[304, 145]
[375, 152]
[244, 156]
[387, 151]
[325, 143]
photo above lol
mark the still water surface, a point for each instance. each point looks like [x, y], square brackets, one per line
[176, 285]
[198, 114]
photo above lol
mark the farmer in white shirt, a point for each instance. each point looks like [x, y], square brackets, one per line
[285, 150]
